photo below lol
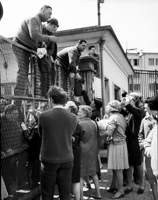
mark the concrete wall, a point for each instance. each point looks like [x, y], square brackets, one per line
[114, 75]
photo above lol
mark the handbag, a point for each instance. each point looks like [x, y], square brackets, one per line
[102, 125]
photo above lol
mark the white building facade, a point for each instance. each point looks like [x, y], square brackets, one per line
[114, 64]
[145, 79]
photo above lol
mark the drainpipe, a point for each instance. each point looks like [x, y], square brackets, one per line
[98, 3]
[101, 45]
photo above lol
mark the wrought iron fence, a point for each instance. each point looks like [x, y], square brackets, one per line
[145, 82]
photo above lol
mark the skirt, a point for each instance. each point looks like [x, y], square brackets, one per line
[118, 157]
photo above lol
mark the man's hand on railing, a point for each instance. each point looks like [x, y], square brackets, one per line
[41, 52]
[53, 38]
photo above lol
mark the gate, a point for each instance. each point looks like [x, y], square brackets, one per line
[16, 168]
[145, 82]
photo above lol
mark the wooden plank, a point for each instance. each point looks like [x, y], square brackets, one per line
[16, 44]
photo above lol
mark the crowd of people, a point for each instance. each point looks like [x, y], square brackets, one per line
[63, 137]
[132, 128]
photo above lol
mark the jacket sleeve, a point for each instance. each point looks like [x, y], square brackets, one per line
[39, 126]
[141, 135]
[137, 112]
[34, 30]
[110, 128]
[73, 61]
[86, 98]
[147, 144]
[52, 49]
[77, 135]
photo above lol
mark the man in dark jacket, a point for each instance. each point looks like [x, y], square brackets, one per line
[56, 127]
[134, 107]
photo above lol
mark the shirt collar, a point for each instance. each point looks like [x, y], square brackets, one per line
[78, 50]
[59, 106]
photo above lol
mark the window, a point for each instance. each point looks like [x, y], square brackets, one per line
[156, 61]
[152, 86]
[136, 75]
[136, 62]
[131, 87]
[151, 75]
[137, 87]
[8, 90]
[116, 93]
[151, 61]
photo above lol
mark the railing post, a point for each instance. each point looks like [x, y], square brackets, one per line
[155, 89]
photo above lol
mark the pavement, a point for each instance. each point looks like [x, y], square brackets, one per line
[106, 177]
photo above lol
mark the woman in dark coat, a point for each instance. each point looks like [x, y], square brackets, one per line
[134, 105]
[72, 107]
[96, 106]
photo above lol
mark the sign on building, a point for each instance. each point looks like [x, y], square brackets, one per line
[97, 88]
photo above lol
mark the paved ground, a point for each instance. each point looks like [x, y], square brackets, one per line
[105, 182]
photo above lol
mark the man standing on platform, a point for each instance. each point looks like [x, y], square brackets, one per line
[68, 58]
[92, 53]
[29, 35]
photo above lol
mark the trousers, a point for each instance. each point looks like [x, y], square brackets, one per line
[52, 174]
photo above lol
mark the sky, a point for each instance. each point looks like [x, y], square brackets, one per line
[135, 22]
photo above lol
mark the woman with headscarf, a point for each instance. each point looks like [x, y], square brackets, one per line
[117, 150]
[89, 148]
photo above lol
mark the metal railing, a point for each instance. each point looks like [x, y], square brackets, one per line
[145, 82]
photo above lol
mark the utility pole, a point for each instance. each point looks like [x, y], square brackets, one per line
[101, 44]
[98, 4]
